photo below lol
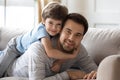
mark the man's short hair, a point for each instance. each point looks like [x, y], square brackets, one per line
[78, 18]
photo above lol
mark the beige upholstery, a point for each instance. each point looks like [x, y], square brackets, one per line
[109, 68]
[6, 34]
[102, 42]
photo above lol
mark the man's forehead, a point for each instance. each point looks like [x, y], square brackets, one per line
[74, 26]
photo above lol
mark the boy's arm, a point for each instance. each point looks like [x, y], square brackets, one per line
[54, 53]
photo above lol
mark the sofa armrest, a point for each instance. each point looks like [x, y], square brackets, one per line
[109, 68]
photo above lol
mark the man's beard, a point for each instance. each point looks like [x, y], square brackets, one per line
[64, 49]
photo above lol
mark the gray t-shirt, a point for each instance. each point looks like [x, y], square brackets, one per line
[36, 65]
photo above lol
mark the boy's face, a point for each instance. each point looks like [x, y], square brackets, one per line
[71, 36]
[53, 26]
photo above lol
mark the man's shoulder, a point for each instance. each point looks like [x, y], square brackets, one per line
[36, 46]
[83, 50]
[82, 47]
[37, 49]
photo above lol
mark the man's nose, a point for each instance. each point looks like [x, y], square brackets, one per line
[71, 37]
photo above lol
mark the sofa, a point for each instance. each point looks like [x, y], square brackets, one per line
[99, 42]
[103, 45]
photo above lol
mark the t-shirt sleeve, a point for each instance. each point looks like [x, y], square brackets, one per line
[40, 32]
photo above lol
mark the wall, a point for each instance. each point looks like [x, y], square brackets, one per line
[100, 13]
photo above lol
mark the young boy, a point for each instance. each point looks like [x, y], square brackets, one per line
[52, 17]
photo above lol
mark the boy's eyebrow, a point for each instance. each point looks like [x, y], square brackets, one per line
[59, 24]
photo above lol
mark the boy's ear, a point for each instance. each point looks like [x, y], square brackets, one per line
[60, 31]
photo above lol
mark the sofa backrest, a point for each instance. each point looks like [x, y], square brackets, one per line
[98, 42]
[6, 34]
[101, 43]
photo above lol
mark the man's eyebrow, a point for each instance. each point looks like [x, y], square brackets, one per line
[68, 29]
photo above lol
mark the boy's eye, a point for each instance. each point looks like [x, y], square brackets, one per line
[59, 25]
[50, 22]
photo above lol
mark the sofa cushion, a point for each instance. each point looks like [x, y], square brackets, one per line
[101, 42]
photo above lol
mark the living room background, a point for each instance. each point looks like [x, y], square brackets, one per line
[17, 13]
[24, 13]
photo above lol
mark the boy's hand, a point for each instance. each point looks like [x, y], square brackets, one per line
[57, 65]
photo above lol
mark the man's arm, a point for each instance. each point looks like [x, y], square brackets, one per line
[85, 63]
[76, 74]
[91, 75]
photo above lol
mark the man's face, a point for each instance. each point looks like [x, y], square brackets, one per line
[71, 36]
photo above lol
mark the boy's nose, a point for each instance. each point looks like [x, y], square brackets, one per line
[54, 27]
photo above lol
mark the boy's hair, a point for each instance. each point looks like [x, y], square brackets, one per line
[76, 17]
[54, 10]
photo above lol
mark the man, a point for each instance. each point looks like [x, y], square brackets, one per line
[36, 65]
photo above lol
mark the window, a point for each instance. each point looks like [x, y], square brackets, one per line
[17, 14]
[1, 13]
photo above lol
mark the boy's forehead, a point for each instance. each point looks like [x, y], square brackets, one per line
[53, 19]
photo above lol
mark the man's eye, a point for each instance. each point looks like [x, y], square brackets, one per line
[68, 32]
[79, 35]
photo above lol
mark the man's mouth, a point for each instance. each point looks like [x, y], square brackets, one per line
[69, 43]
